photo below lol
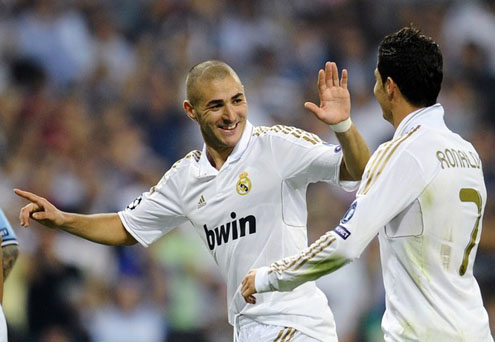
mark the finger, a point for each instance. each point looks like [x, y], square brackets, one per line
[328, 75]
[40, 215]
[23, 218]
[335, 74]
[312, 108]
[251, 299]
[28, 195]
[24, 215]
[321, 81]
[343, 81]
[248, 299]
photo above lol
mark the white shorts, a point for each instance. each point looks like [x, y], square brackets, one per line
[3, 326]
[259, 332]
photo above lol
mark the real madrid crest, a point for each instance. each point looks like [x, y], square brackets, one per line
[243, 184]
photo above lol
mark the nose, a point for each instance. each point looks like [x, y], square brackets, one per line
[228, 113]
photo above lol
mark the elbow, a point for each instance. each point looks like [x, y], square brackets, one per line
[129, 240]
[350, 255]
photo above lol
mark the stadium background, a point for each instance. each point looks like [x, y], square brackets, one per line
[91, 116]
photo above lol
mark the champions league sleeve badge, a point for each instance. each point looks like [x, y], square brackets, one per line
[243, 184]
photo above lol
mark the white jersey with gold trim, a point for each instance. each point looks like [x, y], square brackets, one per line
[424, 194]
[249, 214]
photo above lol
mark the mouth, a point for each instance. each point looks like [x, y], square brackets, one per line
[228, 128]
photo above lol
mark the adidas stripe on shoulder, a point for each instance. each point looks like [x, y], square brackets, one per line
[289, 131]
[193, 156]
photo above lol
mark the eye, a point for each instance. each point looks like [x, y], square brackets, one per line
[215, 106]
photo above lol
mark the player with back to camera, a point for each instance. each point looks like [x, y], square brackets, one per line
[423, 192]
[245, 195]
[8, 257]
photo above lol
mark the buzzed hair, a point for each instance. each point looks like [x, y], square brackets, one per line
[206, 71]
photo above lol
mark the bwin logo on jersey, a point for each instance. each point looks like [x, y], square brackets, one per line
[243, 184]
[349, 213]
[234, 230]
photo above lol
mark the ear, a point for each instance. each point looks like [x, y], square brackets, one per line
[390, 87]
[190, 111]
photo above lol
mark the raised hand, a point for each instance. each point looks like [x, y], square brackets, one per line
[40, 210]
[248, 287]
[335, 100]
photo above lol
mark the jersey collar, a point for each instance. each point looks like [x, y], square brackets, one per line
[431, 116]
[207, 170]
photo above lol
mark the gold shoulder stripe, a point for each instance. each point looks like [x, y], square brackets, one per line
[288, 130]
[376, 170]
[193, 154]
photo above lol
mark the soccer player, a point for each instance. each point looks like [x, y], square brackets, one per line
[245, 195]
[423, 193]
[10, 251]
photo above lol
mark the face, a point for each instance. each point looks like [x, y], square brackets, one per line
[382, 97]
[220, 112]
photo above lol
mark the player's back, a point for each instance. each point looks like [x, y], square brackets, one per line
[428, 250]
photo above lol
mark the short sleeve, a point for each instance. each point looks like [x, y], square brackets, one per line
[304, 157]
[154, 213]
[8, 235]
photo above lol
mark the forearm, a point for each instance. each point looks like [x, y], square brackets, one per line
[356, 154]
[9, 254]
[106, 229]
[321, 258]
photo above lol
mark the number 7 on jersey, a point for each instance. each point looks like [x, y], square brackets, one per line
[470, 195]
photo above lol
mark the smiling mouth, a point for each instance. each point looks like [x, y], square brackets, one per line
[230, 127]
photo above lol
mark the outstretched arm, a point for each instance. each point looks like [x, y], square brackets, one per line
[335, 110]
[106, 229]
[378, 202]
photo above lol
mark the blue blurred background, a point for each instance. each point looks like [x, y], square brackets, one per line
[91, 116]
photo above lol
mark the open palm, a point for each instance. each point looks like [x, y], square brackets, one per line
[335, 100]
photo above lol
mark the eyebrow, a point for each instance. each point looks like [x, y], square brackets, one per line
[214, 102]
[237, 95]
[219, 102]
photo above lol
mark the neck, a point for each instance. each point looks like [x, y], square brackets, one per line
[401, 111]
[217, 157]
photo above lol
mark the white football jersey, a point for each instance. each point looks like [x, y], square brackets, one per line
[423, 193]
[3, 326]
[249, 213]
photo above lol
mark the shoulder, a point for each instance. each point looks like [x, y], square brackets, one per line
[288, 134]
[393, 151]
[180, 166]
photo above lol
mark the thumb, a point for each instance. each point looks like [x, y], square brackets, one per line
[40, 215]
[312, 107]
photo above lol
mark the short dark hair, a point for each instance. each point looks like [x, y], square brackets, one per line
[414, 62]
[206, 71]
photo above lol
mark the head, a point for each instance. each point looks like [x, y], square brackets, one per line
[216, 101]
[410, 67]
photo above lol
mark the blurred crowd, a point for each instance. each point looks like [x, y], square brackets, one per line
[91, 116]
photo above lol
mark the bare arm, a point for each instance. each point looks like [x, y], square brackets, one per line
[334, 108]
[9, 255]
[356, 154]
[106, 229]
